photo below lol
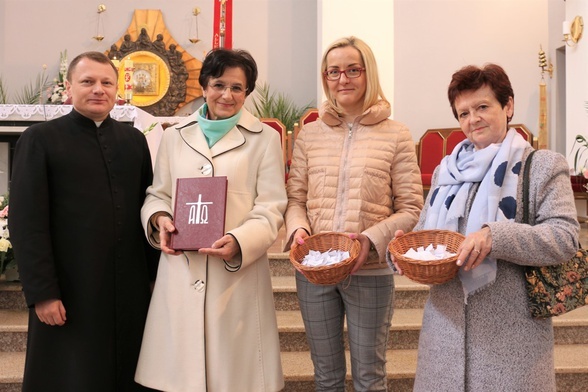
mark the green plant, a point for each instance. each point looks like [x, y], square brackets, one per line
[581, 147]
[3, 92]
[31, 93]
[277, 105]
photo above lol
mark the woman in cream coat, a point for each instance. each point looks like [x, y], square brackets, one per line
[211, 323]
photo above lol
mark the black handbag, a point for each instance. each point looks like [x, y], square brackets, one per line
[556, 289]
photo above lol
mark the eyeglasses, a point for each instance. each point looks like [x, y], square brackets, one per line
[221, 88]
[351, 73]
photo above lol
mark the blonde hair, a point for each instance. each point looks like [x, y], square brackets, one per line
[373, 92]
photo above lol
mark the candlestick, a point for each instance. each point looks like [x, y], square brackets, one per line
[128, 75]
[115, 62]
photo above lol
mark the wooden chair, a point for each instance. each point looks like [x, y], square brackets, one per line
[309, 116]
[436, 143]
[281, 129]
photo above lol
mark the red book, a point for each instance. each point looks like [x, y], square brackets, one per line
[199, 213]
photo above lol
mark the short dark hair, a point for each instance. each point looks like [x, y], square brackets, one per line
[472, 77]
[94, 56]
[218, 60]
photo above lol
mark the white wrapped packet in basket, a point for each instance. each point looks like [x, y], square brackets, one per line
[430, 253]
[314, 258]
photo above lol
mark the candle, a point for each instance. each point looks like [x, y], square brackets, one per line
[566, 27]
[128, 68]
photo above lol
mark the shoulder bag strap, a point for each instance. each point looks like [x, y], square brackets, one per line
[526, 176]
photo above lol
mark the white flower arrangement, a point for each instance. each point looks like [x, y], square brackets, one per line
[58, 93]
[7, 261]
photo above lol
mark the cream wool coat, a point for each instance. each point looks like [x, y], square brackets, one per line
[360, 180]
[220, 335]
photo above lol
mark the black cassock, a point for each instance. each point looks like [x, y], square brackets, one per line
[75, 199]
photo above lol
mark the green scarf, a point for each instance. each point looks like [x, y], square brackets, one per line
[214, 130]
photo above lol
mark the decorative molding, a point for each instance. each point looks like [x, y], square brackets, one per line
[125, 113]
[148, 33]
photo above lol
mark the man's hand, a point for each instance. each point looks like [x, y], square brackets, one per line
[51, 312]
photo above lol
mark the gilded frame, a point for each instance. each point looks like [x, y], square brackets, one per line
[151, 77]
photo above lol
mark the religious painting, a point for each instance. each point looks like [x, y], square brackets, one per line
[150, 77]
[146, 79]
[155, 72]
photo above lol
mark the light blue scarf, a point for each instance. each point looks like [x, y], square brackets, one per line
[496, 168]
[214, 130]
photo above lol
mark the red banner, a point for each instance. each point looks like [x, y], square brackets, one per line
[222, 36]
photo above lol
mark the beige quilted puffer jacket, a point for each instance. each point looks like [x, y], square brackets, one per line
[355, 178]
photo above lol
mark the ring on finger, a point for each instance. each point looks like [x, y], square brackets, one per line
[477, 251]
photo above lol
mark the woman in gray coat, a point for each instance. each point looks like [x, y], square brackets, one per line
[477, 333]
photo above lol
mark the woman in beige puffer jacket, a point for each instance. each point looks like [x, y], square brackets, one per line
[353, 171]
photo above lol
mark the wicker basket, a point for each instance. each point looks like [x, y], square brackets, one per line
[330, 274]
[422, 271]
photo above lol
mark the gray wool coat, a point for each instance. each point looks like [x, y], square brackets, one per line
[492, 343]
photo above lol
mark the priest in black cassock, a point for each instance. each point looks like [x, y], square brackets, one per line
[78, 184]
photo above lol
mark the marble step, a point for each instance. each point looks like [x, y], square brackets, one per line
[13, 330]
[404, 332]
[11, 295]
[569, 329]
[299, 373]
[408, 295]
[571, 370]
[11, 371]
[280, 264]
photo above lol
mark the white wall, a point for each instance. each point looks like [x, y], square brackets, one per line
[370, 20]
[556, 84]
[435, 38]
[281, 35]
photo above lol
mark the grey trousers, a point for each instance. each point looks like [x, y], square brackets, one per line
[367, 302]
